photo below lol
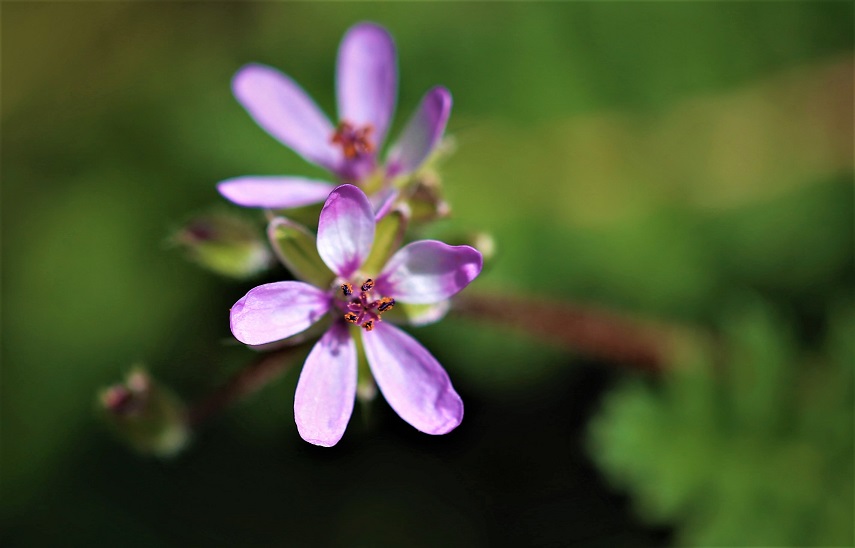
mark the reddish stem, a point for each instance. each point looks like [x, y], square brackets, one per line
[265, 368]
[588, 330]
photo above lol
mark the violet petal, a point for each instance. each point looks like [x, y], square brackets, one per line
[367, 79]
[412, 381]
[428, 271]
[345, 230]
[326, 390]
[274, 311]
[286, 112]
[421, 134]
[274, 192]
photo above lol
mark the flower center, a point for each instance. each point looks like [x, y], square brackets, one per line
[362, 310]
[354, 141]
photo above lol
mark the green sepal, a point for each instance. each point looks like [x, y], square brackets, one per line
[296, 248]
[387, 239]
[224, 243]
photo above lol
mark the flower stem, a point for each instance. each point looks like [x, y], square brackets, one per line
[584, 329]
[589, 330]
[251, 378]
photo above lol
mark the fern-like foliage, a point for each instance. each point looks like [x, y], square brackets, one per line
[750, 447]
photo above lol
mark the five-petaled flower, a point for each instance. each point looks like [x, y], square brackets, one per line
[366, 89]
[409, 377]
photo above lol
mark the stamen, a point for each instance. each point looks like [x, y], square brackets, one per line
[351, 317]
[386, 304]
[353, 141]
[362, 309]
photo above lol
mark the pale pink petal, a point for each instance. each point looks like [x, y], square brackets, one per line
[274, 192]
[428, 271]
[367, 79]
[345, 230]
[326, 390]
[422, 133]
[272, 312]
[287, 113]
[412, 381]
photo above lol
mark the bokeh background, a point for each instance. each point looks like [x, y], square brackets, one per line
[689, 164]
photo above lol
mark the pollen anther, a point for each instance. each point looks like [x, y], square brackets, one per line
[351, 317]
[347, 289]
[386, 304]
[368, 326]
[368, 285]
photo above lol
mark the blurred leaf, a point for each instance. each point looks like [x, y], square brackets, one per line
[755, 450]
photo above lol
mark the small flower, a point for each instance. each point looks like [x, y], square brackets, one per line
[409, 377]
[366, 86]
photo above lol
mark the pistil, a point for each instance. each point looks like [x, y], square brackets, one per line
[362, 310]
[354, 141]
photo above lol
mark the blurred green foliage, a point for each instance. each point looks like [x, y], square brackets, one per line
[658, 158]
[751, 445]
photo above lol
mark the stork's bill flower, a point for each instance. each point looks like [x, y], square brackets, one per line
[409, 377]
[366, 91]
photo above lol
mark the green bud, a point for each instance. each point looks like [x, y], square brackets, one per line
[425, 198]
[387, 239]
[296, 248]
[225, 244]
[145, 415]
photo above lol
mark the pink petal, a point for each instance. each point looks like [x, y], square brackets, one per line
[326, 390]
[284, 111]
[422, 133]
[367, 79]
[345, 230]
[274, 192]
[428, 271]
[271, 312]
[411, 380]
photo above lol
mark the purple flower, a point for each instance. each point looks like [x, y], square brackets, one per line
[366, 86]
[411, 380]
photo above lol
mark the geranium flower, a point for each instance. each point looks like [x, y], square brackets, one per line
[409, 377]
[366, 89]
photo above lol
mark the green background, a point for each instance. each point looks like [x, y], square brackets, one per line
[689, 163]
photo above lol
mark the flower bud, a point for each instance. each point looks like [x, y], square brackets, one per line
[225, 244]
[145, 415]
[425, 198]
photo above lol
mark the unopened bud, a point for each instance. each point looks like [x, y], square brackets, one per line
[226, 244]
[145, 415]
[425, 198]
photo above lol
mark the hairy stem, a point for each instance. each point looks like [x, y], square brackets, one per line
[584, 329]
[588, 330]
[251, 378]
